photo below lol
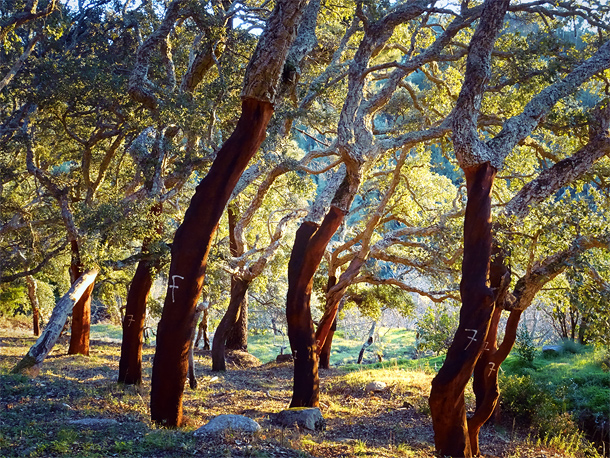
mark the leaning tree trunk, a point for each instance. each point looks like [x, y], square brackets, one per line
[81, 314]
[239, 288]
[130, 364]
[189, 258]
[193, 238]
[447, 395]
[309, 246]
[238, 334]
[32, 287]
[367, 343]
[38, 352]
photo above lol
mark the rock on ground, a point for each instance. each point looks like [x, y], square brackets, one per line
[304, 418]
[553, 350]
[223, 423]
[375, 387]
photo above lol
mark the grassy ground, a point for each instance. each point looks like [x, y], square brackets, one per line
[36, 414]
[393, 344]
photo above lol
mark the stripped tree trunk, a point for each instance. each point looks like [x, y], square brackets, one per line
[480, 159]
[239, 288]
[368, 342]
[189, 252]
[38, 352]
[130, 364]
[309, 246]
[324, 362]
[193, 238]
[485, 376]
[32, 287]
[334, 296]
[81, 314]
[447, 395]
[237, 335]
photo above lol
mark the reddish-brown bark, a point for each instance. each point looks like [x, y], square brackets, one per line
[324, 347]
[189, 258]
[81, 325]
[309, 246]
[239, 288]
[81, 313]
[333, 298]
[324, 362]
[36, 322]
[447, 394]
[130, 364]
[237, 335]
[485, 375]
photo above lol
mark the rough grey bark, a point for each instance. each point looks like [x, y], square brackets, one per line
[19, 63]
[566, 170]
[39, 351]
[544, 271]
[267, 64]
[139, 85]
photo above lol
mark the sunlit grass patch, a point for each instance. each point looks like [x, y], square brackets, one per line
[108, 332]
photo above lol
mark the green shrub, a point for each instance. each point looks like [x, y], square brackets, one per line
[435, 330]
[523, 398]
[525, 347]
[569, 346]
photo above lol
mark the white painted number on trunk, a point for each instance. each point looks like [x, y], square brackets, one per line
[173, 286]
[130, 320]
[472, 337]
[492, 368]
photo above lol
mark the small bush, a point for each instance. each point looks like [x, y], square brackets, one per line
[435, 330]
[569, 346]
[525, 400]
[524, 346]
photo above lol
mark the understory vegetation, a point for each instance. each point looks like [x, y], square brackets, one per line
[546, 406]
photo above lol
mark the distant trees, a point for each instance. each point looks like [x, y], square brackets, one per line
[370, 129]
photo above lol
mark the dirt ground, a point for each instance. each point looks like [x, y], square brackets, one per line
[391, 423]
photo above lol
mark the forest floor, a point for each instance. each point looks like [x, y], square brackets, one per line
[36, 413]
